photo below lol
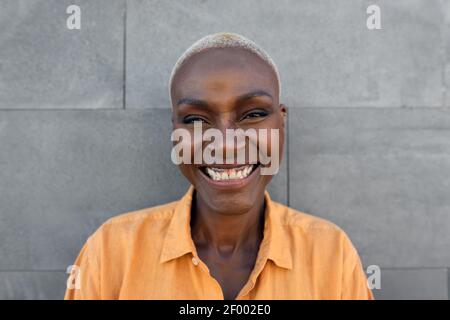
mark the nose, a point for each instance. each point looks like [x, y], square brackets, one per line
[234, 143]
[227, 144]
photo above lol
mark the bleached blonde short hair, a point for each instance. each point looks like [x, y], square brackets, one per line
[223, 40]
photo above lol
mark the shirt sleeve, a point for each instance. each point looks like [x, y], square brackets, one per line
[355, 285]
[83, 279]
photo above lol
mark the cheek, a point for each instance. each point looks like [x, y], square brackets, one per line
[271, 140]
[278, 124]
[186, 146]
[188, 171]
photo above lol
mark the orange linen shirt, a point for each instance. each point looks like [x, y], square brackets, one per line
[150, 254]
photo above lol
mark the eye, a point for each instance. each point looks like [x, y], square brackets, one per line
[255, 114]
[191, 119]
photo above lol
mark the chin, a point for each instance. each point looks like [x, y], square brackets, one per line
[228, 204]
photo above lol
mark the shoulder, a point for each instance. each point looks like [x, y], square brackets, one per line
[312, 230]
[306, 222]
[160, 212]
[125, 228]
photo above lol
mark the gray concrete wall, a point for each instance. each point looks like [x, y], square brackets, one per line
[83, 111]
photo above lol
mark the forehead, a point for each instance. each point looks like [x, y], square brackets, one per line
[223, 73]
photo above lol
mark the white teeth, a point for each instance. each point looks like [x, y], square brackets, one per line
[210, 172]
[229, 174]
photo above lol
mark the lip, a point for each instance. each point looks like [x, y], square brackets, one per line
[234, 183]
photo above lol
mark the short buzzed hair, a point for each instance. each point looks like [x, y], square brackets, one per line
[223, 40]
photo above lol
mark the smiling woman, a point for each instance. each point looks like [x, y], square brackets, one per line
[226, 238]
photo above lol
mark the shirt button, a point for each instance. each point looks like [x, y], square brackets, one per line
[195, 261]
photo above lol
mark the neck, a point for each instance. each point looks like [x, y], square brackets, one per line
[227, 233]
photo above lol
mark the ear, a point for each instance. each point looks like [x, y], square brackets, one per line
[283, 110]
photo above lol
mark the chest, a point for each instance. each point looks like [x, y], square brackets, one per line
[232, 273]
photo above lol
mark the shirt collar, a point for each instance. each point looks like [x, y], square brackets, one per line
[274, 246]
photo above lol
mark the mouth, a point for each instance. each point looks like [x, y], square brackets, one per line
[229, 175]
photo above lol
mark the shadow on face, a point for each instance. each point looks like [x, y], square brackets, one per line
[228, 88]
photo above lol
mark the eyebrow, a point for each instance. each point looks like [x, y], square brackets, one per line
[254, 94]
[191, 101]
[241, 98]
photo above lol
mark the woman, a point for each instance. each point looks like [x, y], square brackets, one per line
[225, 239]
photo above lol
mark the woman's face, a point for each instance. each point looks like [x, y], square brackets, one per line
[228, 88]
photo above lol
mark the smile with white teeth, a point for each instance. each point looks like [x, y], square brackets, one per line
[220, 174]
